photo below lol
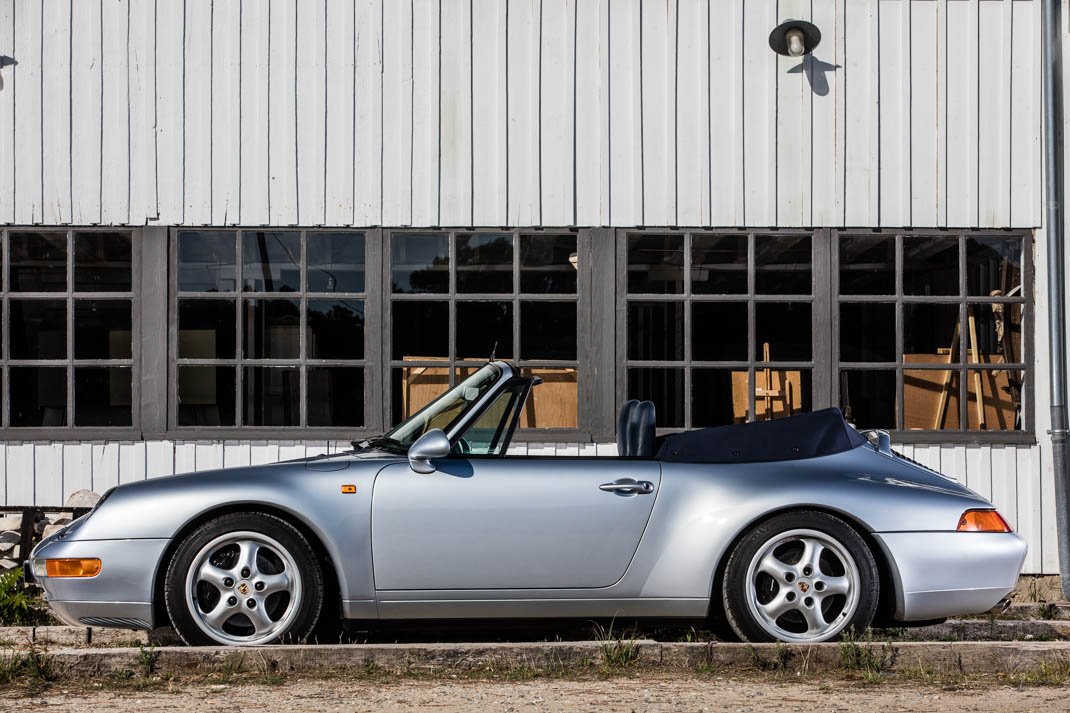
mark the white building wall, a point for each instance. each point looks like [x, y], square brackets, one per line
[920, 113]
[911, 113]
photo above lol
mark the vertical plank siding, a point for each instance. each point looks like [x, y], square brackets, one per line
[529, 112]
[919, 113]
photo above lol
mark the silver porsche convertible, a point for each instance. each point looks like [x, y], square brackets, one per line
[795, 530]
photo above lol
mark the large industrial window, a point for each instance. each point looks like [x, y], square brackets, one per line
[929, 335]
[913, 332]
[456, 299]
[718, 327]
[69, 335]
[269, 329]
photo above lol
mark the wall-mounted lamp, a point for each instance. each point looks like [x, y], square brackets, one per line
[794, 38]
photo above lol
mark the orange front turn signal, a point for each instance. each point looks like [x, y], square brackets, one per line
[983, 521]
[72, 568]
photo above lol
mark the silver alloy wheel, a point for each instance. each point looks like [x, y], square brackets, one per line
[802, 586]
[243, 588]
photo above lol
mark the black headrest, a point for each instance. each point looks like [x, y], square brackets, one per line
[636, 429]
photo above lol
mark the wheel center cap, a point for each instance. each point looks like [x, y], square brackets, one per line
[804, 586]
[243, 588]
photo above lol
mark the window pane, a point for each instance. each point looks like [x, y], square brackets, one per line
[271, 261]
[782, 265]
[930, 266]
[779, 393]
[206, 329]
[998, 328]
[38, 396]
[719, 264]
[867, 398]
[484, 328]
[867, 332]
[335, 396]
[656, 331]
[867, 265]
[718, 397]
[102, 330]
[272, 329]
[38, 329]
[335, 262]
[206, 395]
[1000, 406]
[546, 264]
[272, 395]
[784, 331]
[102, 263]
[486, 434]
[665, 387]
[484, 263]
[102, 396]
[335, 329]
[994, 266]
[206, 261]
[420, 263]
[38, 262]
[554, 402]
[412, 388]
[655, 264]
[930, 399]
[420, 330]
[930, 333]
[547, 330]
[719, 331]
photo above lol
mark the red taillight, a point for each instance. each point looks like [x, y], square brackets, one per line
[982, 521]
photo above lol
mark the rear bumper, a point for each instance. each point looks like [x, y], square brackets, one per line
[941, 574]
[121, 595]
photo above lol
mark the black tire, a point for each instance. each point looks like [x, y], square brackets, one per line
[808, 615]
[284, 553]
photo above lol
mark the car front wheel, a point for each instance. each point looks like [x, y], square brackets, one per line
[244, 579]
[800, 577]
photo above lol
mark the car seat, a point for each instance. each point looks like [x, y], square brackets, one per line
[636, 430]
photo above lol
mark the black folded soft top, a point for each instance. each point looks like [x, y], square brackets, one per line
[808, 435]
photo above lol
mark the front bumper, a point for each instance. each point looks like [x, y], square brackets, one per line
[121, 595]
[942, 574]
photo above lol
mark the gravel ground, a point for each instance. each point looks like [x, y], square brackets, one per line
[621, 694]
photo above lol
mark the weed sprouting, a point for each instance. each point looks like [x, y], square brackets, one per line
[617, 651]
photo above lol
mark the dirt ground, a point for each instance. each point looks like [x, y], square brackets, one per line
[623, 694]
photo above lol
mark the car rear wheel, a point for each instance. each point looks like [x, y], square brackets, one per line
[244, 579]
[800, 577]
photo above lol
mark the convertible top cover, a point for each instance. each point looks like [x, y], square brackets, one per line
[808, 435]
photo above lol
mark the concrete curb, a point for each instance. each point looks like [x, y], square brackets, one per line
[557, 657]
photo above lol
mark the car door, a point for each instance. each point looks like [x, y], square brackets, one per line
[510, 523]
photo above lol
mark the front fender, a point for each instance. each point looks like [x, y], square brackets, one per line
[161, 509]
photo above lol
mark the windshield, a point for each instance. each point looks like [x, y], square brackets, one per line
[446, 410]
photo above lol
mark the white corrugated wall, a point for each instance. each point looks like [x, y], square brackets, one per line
[911, 113]
[920, 113]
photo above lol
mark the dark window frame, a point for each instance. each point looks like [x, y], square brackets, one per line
[71, 432]
[825, 362]
[372, 296]
[817, 299]
[963, 299]
[584, 417]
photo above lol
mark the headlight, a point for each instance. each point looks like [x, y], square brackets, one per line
[39, 569]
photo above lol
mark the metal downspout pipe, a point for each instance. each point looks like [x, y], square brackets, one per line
[1053, 201]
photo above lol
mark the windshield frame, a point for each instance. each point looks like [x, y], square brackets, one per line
[501, 375]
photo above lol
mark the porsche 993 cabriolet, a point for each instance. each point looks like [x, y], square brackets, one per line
[795, 530]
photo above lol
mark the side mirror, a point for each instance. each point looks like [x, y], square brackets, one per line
[432, 444]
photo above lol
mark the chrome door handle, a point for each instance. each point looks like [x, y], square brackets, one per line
[627, 486]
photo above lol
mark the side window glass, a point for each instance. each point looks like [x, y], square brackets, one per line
[488, 434]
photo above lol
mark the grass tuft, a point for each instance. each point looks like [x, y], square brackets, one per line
[617, 651]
